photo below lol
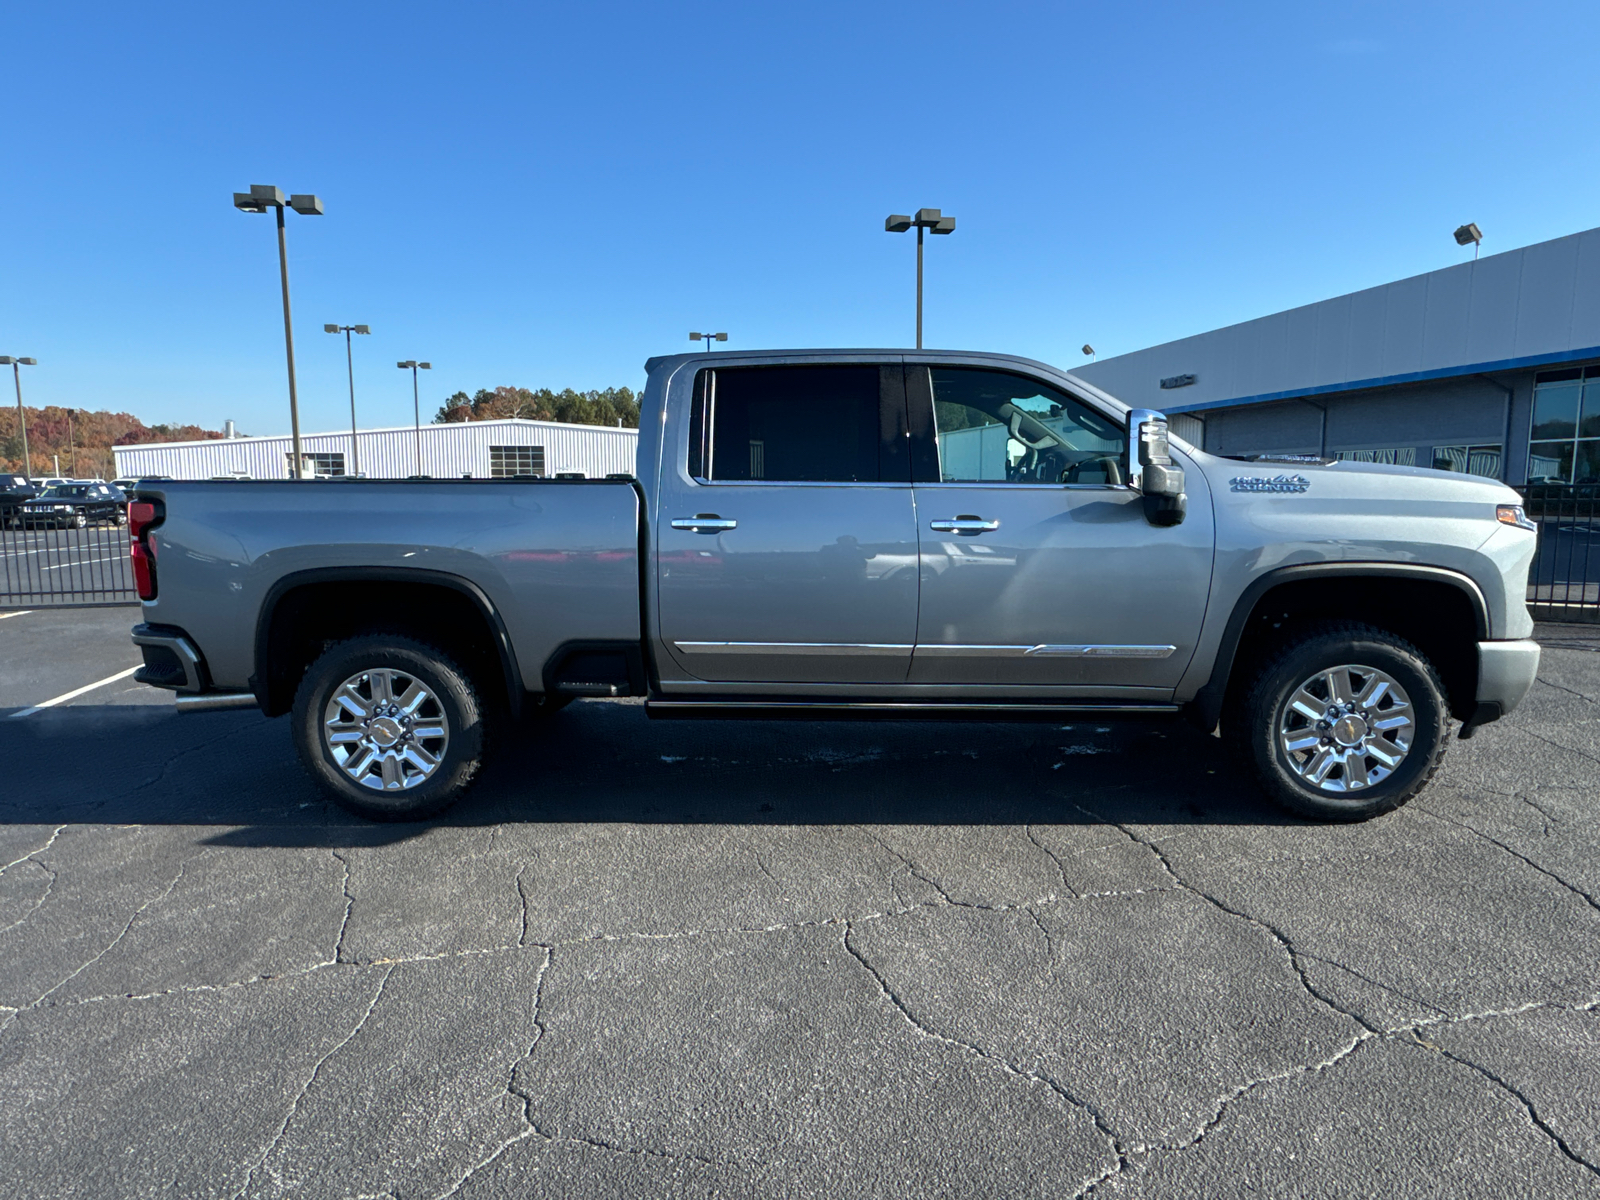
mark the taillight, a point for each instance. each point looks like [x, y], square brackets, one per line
[142, 514]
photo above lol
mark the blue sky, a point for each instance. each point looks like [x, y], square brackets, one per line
[545, 195]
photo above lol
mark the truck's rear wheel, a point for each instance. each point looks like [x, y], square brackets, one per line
[390, 727]
[1343, 723]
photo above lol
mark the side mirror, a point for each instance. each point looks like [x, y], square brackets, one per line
[1151, 470]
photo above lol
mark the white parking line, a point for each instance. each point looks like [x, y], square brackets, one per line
[80, 562]
[20, 613]
[72, 695]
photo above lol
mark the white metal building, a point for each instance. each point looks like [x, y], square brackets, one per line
[479, 449]
[1490, 366]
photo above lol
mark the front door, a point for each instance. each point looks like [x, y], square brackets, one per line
[787, 543]
[1038, 567]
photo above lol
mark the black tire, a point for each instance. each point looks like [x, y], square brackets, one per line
[121, 518]
[79, 519]
[453, 706]
[1261, 724]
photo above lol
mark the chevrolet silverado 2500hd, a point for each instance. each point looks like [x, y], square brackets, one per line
[872, 533]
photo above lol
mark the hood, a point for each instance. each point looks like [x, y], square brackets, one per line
[1303, 474]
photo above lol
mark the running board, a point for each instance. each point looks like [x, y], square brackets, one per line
[891, 710]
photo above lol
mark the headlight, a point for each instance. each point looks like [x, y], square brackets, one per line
[1512, 514]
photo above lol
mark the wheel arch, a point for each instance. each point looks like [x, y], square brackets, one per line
[1389, 595]
[304, 609]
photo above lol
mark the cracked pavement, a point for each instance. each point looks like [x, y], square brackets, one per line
[745, 959]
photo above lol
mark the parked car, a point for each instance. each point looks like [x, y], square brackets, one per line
[14, 490]
[862, 534]
[74, 505]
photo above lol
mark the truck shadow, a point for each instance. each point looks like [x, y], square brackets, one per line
[604, 761]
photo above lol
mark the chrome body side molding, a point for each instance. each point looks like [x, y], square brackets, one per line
[1047, 650]
[790, 648]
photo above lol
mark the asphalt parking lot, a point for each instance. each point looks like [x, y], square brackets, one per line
[747, 959]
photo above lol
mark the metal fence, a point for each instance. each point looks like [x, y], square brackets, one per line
[47, 566]
[1564, 584]
[42, 566]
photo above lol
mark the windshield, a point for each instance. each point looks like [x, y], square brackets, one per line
[65, 493]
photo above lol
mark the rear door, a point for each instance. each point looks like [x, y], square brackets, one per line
[786, 536]
[1038, 567]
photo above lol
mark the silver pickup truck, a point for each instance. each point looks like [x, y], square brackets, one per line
[865, 533]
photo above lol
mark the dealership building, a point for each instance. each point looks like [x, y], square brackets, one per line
[474, 449]
[1490, 366]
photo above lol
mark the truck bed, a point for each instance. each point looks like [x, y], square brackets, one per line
[558, 560]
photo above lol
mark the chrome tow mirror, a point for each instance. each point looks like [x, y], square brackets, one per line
[1151, 470]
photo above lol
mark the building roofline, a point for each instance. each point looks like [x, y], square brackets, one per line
[289, 437]
[1359, 385]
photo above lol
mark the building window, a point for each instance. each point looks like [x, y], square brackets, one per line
[1396, 456]
[323, 466]
[1565, 443]
[507, 462]
[1470, 460]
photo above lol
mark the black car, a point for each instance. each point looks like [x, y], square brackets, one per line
[14, 491]
[74, 505]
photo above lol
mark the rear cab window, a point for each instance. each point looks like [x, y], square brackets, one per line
[841, 423]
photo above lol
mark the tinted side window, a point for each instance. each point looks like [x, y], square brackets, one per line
[996, 427]
[791, 424]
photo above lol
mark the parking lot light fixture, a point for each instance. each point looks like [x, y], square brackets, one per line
[259, 199]
[930, 219]
[416, 405]
[350, 365]
[1469, 234]
[16, 365]
[708, 338]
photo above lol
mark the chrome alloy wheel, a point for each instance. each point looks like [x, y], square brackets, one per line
[385, 729]
[1347, 728]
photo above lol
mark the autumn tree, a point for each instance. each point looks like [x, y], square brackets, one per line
[81, 439]
[609, 407]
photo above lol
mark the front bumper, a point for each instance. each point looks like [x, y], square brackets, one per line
[1506, 671]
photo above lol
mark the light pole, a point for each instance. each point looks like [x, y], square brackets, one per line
[350, 364]
[16, 365]
[416, 405]
[258, 199]
[708, 338]
[926, 218]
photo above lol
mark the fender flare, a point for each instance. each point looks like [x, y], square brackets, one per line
[315, 575]
[1205, 710]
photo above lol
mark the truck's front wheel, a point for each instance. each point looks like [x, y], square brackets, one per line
[390, 727]
[1343, 723]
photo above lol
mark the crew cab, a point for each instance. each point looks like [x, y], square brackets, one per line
[866, 534]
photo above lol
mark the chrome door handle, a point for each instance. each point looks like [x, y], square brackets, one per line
[704, 523]
[966, 524]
